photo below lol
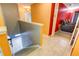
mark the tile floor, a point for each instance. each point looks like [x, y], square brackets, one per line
[57, 45]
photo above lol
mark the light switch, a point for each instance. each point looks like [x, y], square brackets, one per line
[3, 29]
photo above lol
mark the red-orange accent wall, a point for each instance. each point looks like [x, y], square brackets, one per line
[61, 6]
[62, 15]
[51, 18]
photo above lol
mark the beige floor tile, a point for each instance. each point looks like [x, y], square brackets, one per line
[56, 45]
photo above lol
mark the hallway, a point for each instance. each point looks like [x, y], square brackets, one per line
[56, 45]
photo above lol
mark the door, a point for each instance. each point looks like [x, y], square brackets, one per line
[75, 50]
[76, 23]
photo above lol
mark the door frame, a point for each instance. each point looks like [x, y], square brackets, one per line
[72, 46]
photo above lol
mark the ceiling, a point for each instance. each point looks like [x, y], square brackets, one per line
[72, 4]
[27, 4]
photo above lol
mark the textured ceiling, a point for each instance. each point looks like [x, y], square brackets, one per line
[27, 4]
[72, 4]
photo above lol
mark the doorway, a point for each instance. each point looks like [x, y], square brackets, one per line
[74, 34]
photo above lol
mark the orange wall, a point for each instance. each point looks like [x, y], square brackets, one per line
[41, 14]
[3, 38]
[1, 18]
